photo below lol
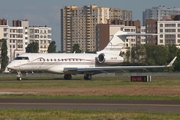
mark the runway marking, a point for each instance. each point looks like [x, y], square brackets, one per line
[16, 93]
[100, 104]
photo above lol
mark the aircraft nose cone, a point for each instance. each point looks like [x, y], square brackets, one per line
[9, 66]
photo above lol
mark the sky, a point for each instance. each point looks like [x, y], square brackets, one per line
[47, 12]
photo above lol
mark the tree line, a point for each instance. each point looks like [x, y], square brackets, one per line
[4, 54]
[153, 55]
[34, 47]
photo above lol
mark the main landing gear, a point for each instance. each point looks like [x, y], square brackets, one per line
[87, 76]
[67, 76]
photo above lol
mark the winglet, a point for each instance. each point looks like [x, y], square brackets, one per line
[171, 63]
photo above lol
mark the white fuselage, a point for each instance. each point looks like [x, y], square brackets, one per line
[56, 62]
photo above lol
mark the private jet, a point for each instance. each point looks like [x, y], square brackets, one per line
[87, 64]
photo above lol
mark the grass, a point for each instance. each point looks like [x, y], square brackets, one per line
[42, 114]
[78, 82]
[99, 97]
[48, 82]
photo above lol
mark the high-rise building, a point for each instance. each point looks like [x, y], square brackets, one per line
[169, 33]
[151, 27]
[42, 35]
[20, 34]
[3, 21]
[78, 25]
[159, 13]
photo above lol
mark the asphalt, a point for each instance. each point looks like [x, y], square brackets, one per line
[82, 104]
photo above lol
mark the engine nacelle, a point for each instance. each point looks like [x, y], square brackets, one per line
[109, 59]
[101, 58]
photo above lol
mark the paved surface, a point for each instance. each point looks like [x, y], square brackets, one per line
[67, 104]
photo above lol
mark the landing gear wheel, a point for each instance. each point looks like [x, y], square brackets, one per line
[87, 76]
[67, 76]
[19, 78]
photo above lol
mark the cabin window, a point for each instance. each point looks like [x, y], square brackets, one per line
[47, 59]
[54, 59]
[21, 58]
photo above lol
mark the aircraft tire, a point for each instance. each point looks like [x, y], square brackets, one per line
[87, 76]
[67, 76]
[19, 78]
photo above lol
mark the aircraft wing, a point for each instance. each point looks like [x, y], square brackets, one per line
[95, 70]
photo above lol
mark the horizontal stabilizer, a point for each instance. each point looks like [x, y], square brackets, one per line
[135, 34]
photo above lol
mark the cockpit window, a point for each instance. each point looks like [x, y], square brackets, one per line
[21, 58]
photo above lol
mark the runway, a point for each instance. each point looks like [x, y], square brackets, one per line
[81, 104]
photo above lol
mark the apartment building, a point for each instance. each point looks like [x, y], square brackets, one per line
[151, 27]
[3, 28]
[159, 13]
[19, 35]
[78, 25]
[143, 38]
[42, 35]
[168, 32]
[117, 13]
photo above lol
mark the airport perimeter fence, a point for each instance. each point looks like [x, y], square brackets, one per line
[104, 74]
[141, 74]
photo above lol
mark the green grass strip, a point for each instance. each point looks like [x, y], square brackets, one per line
[42, 114]
[104, 97]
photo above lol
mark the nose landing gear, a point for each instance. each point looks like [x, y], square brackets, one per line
[19, 76]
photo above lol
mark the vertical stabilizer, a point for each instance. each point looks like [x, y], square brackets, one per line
[115, 45]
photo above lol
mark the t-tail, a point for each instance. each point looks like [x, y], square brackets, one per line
[115, 45]
[110, 54]
[117, 42]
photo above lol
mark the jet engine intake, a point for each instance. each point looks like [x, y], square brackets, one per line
[101, 58]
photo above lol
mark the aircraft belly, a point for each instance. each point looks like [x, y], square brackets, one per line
[55, 69]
